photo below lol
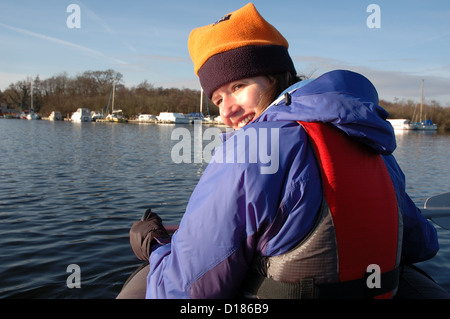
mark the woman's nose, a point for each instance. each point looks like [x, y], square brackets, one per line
[228, 107]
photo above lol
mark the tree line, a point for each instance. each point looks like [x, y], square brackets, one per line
[408, 109]
[92, 89]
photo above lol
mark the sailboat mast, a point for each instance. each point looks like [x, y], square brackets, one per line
[31, 88]
[113, 92]
[201, 100]
[421, 103]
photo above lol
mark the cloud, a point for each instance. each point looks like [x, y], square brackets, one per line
[390, 84]
[62, 42]
[104, 25]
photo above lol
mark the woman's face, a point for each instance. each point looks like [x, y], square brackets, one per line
[240, 101]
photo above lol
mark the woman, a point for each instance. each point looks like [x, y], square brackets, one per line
[303, 199]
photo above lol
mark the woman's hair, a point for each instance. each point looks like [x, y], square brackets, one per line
[280, 82]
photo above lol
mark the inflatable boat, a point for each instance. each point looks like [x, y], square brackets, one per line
[414, 283]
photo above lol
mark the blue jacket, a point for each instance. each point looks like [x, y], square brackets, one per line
[265, 204]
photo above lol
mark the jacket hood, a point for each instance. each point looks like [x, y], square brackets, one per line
[345, 99]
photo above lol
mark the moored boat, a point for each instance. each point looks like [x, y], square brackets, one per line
[116, 117]
[33, 116]
[97, 116]
[426, 125]
[169, 117]
[81, 115]
[147, 118]
[55, 116]
[402, 124]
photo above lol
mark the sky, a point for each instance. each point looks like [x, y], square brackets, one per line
[395, 44]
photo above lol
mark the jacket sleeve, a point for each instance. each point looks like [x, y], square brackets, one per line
[420, 240]
[210, 253]
[225, 225]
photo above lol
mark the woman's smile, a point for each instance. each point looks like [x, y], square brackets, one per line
[239, 102]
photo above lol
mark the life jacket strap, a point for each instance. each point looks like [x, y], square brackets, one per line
[263, 287]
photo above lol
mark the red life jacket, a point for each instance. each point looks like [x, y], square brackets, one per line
[359, 226]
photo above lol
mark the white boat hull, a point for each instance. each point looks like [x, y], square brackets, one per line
[81, 115]
[175, 118]
[419, 126]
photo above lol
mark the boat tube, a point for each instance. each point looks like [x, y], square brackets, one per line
[414, 284]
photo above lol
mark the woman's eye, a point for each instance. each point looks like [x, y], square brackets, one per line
[237, 87]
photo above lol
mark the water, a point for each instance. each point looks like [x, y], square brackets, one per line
[423, 157]
[69, 193]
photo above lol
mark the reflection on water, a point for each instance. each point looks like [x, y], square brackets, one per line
[70, 192]
[423, 157]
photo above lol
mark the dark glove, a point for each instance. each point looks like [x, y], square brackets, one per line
[145, 232]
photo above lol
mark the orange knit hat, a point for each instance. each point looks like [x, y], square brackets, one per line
[239, 45]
